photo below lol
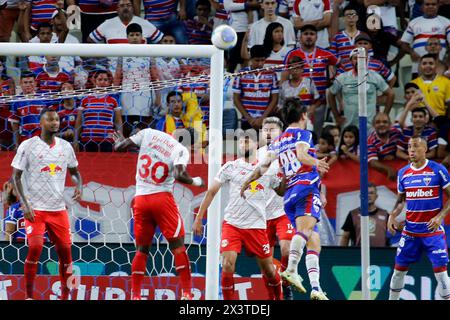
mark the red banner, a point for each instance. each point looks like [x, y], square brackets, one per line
[119, 169]
[12, 287]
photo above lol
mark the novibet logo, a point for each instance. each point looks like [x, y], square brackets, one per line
[349, 280]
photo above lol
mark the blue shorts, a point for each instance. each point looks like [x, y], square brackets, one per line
[303, 200]
[410, 250]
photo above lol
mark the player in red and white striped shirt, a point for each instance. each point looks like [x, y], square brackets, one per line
[162, 160]
[245, 218]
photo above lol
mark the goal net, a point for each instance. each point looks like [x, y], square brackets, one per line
[175, 89]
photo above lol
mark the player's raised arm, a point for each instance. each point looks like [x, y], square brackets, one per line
[28, 212]
[305, 158]
[206, 202]
[180, 161]
[259, 171]
[181, 174]
[393, 224]
[120, 143]
[76, 179]
[281, 188]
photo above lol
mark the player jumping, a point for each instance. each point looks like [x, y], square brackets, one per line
[420, 186]
[278, 223]
[245, 219]
[302, 202]
[161, 161]
[44, 160]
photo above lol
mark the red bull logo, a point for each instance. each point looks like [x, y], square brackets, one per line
[255, 186]
[52, 169]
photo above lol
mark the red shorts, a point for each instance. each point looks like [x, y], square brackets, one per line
[254, 240]
[152, 210]
[280, 227]
[56, 223]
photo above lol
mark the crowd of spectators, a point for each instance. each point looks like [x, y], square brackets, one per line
[316, 40]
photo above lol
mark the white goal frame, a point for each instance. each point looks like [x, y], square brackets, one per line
[215, 119]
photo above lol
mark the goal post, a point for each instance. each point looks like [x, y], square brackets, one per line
[216, 57]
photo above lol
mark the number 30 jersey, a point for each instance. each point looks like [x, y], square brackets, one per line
[158, 155]
[285, 148]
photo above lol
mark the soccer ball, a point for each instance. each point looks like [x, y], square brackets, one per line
[224, 37]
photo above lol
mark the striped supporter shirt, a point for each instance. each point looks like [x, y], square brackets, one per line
[98, 117]
[67, 118]
[114, 31]
[198, 33]
[14, 215]
[277, 58]
[420, 29]
[94, 6]
[286, 6]
[159, 9]
[316, 66]
[429, 133]
[221, 13]
[46, 82]
[341, 45]
[374, 65]
[27, 115]
[41, 11]
[378, 150]
[255, 90]
[424, 196]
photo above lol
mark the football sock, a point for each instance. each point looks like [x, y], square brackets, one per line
[137, 273]
[298, 243]
[273, 286]
[284, 262]
[312, 265]
[35, 245]
[228, 285]
[183, 268]
[397, 283]
[65, 269]
[443, 284]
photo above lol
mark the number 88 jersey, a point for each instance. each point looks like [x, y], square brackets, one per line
[158, 154]
[285, 148]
